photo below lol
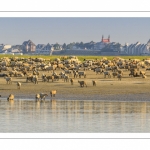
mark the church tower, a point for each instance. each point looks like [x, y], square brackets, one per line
[109, 38]
[102, 37]
[106, 40]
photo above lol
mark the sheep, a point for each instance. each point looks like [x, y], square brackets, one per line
[82, 83]
[56, 77]
[134, 74]
[82, 73]
[12, 73]
[3, 75]
[40, 96]
[8, 80]
[43, 95]
[10, 97]
[18, 85]
[114, 74]
[66, 78]
[144, 76]
[107, 73]
[35, 79]
[142, 73]
[37, 97]
[119, 76]
[94, 82]
[35, 72]
[120, 72]
[50, 68]
[52, 77]
[68, 72]
[62, 74]
[29, 78]
[53, 93]
[75, 74]
[98, 70]
[71, 80]
[60, 66]
[44, 78]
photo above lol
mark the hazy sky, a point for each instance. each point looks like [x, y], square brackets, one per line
[66, 30]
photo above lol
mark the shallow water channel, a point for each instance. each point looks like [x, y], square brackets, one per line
[74, 116]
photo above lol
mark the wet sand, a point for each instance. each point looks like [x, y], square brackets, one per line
[128, 89]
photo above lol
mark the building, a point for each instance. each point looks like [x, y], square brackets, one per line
[4, 48]
[28, 47]
[44, 49]
[138, 49]
[102, 44]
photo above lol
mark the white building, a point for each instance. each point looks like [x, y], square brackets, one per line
[4, 47]
[44, 49]
[138, 49]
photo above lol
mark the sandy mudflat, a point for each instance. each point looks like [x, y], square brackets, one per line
[129, 89]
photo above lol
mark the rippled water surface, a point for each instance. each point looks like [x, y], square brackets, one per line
[28, 116]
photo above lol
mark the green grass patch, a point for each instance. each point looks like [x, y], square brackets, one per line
[81, 58]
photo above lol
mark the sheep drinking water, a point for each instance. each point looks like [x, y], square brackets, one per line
[10, 97]
[53, 93]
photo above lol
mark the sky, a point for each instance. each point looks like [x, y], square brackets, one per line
[73, 29]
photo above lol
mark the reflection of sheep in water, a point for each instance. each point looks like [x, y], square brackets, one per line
[10, 97]
[18, 85]
[94, 82]
[53, 93]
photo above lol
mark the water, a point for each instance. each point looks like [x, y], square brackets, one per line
[28, 116]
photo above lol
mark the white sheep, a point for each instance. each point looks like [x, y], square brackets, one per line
[37, 97]
[10, 97]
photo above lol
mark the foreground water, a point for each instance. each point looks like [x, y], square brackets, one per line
[28, 116]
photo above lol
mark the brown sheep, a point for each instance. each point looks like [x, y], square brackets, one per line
[114, 74]
[71, 80]
[53, 93]
[82, 83]
[94, 82]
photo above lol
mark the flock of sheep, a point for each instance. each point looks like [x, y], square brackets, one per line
[70, 69]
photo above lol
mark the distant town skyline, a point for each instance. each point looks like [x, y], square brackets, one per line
[68, 29]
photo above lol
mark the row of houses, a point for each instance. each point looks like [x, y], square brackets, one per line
[104, 46]
[137, 49]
